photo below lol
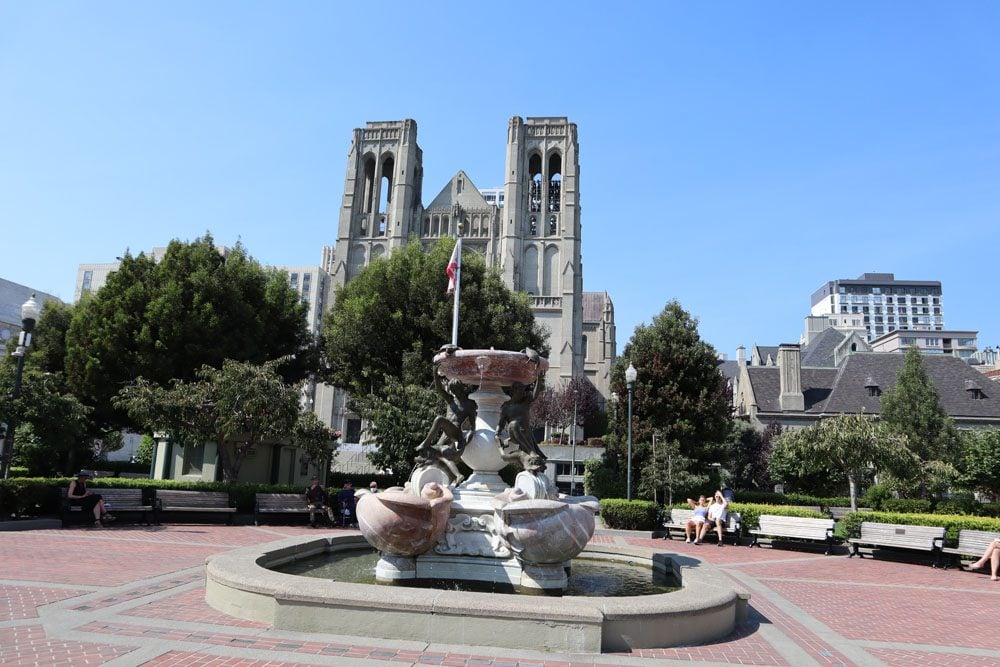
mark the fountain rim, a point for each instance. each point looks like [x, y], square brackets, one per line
[240, 584]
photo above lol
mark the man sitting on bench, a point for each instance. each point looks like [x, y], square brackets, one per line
[316, 499]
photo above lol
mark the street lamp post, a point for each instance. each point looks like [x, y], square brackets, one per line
[572, 470]
[29, 315]
[630, 376]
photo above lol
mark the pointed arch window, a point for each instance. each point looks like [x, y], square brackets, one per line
[535, 185]
[555, 182]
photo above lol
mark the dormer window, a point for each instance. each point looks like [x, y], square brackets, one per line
[974, 390]
[872, 387]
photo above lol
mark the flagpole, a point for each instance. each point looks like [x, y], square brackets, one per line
[458, 287]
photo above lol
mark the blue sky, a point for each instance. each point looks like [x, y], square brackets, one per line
[734, 156]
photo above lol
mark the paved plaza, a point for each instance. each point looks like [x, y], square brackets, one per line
[133, 595]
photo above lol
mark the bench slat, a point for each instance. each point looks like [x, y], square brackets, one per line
[793, 527]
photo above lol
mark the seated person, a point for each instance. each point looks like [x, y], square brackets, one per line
[79, 496]
[992, 554]
[718, 512]
[316, 501]
[348, 504]
[697, 519]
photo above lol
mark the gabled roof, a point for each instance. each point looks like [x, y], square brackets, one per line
[593, 306]
[469, 198]
[816, 386]
[843, 390]
[819, 351]
[730, 369]
[763, 352]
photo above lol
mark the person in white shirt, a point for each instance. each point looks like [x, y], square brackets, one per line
[718, 512]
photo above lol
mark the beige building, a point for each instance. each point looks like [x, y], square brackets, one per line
[955, 343]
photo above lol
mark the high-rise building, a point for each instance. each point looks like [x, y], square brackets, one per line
[882, 303]
[12, 296]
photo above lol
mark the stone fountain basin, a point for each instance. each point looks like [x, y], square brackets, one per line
[503, 367]
[706, 608]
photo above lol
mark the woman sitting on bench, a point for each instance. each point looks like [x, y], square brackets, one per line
[86, 500]
[697, 520]
[992, 554]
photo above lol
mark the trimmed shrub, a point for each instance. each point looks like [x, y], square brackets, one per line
[990, 509]
[960, 503]
[907, 505]
[630, 515]
[876, 495]
[951, 522]
[603, 482]
[769, 498]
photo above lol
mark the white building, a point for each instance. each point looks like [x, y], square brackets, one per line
[883, 303]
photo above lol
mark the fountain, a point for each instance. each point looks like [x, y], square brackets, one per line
[441, 526]
[521, 536]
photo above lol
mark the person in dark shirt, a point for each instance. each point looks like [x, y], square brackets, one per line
[87, 500]
[348, 504]
[316, 499]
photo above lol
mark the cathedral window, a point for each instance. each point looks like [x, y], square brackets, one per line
[535, 185]
[555, 182]
[552, 225]
[368, 184]
[533, 226]
[385, 185]
[427, 227]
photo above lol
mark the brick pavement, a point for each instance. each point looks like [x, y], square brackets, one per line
[134, 595]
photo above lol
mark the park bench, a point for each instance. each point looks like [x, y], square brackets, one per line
[679, 517]
[795, 528]
[195, 503]
[117, 502]
[971, 544]
[899, 536]
[839, 513]
[279, 503]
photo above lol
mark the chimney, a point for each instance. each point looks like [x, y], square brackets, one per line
[741, 356]
[789, 372]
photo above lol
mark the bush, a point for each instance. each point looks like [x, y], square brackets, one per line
[876, 495]
[951, 522]
[18, 471]
[960, 503]
[630, 514]
[770, 498]
[906, 505]
[603, 482]
[990, 509]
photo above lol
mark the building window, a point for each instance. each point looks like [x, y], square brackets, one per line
[194, 458]
[88, 278]
[353, 431]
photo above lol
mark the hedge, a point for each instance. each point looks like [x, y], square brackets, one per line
[630, 514]
[907, 505]
[951, 522]
[771, 498]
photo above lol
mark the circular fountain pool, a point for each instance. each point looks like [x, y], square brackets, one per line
[588, 577]
[244, 584]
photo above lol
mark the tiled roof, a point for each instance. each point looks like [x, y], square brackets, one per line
[819, 351]
[593, 307]
[834, 391]
[730, 369]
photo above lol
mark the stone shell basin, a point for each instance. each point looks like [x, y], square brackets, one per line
[503, 367]
[400, 523]
[545, 531]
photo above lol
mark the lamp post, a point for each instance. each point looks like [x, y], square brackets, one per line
[572, 470]
[29, 315]
[630, 376]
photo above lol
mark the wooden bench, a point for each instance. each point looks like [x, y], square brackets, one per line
[793, 527]
[971, 544]
[279, 503]
[195, 502]
[679, 517]
[899, 536]
[117, 502]
[839, 513]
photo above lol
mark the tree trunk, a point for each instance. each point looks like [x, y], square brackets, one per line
[854, 492]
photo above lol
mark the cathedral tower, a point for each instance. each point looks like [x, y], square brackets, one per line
[540, 247]
[382, 193]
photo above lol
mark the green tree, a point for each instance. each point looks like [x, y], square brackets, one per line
[849, 446]
[144, 452]
[667, 469]
[981, 460]
[238, 407]
[680, 392]
[314, 439]
[749, 454]
[911, 407]
[391, 319]
[164, 321]
[398, 419]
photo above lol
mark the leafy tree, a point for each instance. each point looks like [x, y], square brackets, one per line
[54, 422]
[910, 407]
[981, 460]
[398, 420]
[603, 479]
[144, 452]
[680, 392]
[668, 469]
[238, 407]
[750, 451]
[391, 319]
[314, 439]
[848, 446]
[165, 321]
[556, 405]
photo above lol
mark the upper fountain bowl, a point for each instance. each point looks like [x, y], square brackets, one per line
[501, 367]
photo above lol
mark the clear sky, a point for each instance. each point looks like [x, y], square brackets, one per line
[734, 156]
